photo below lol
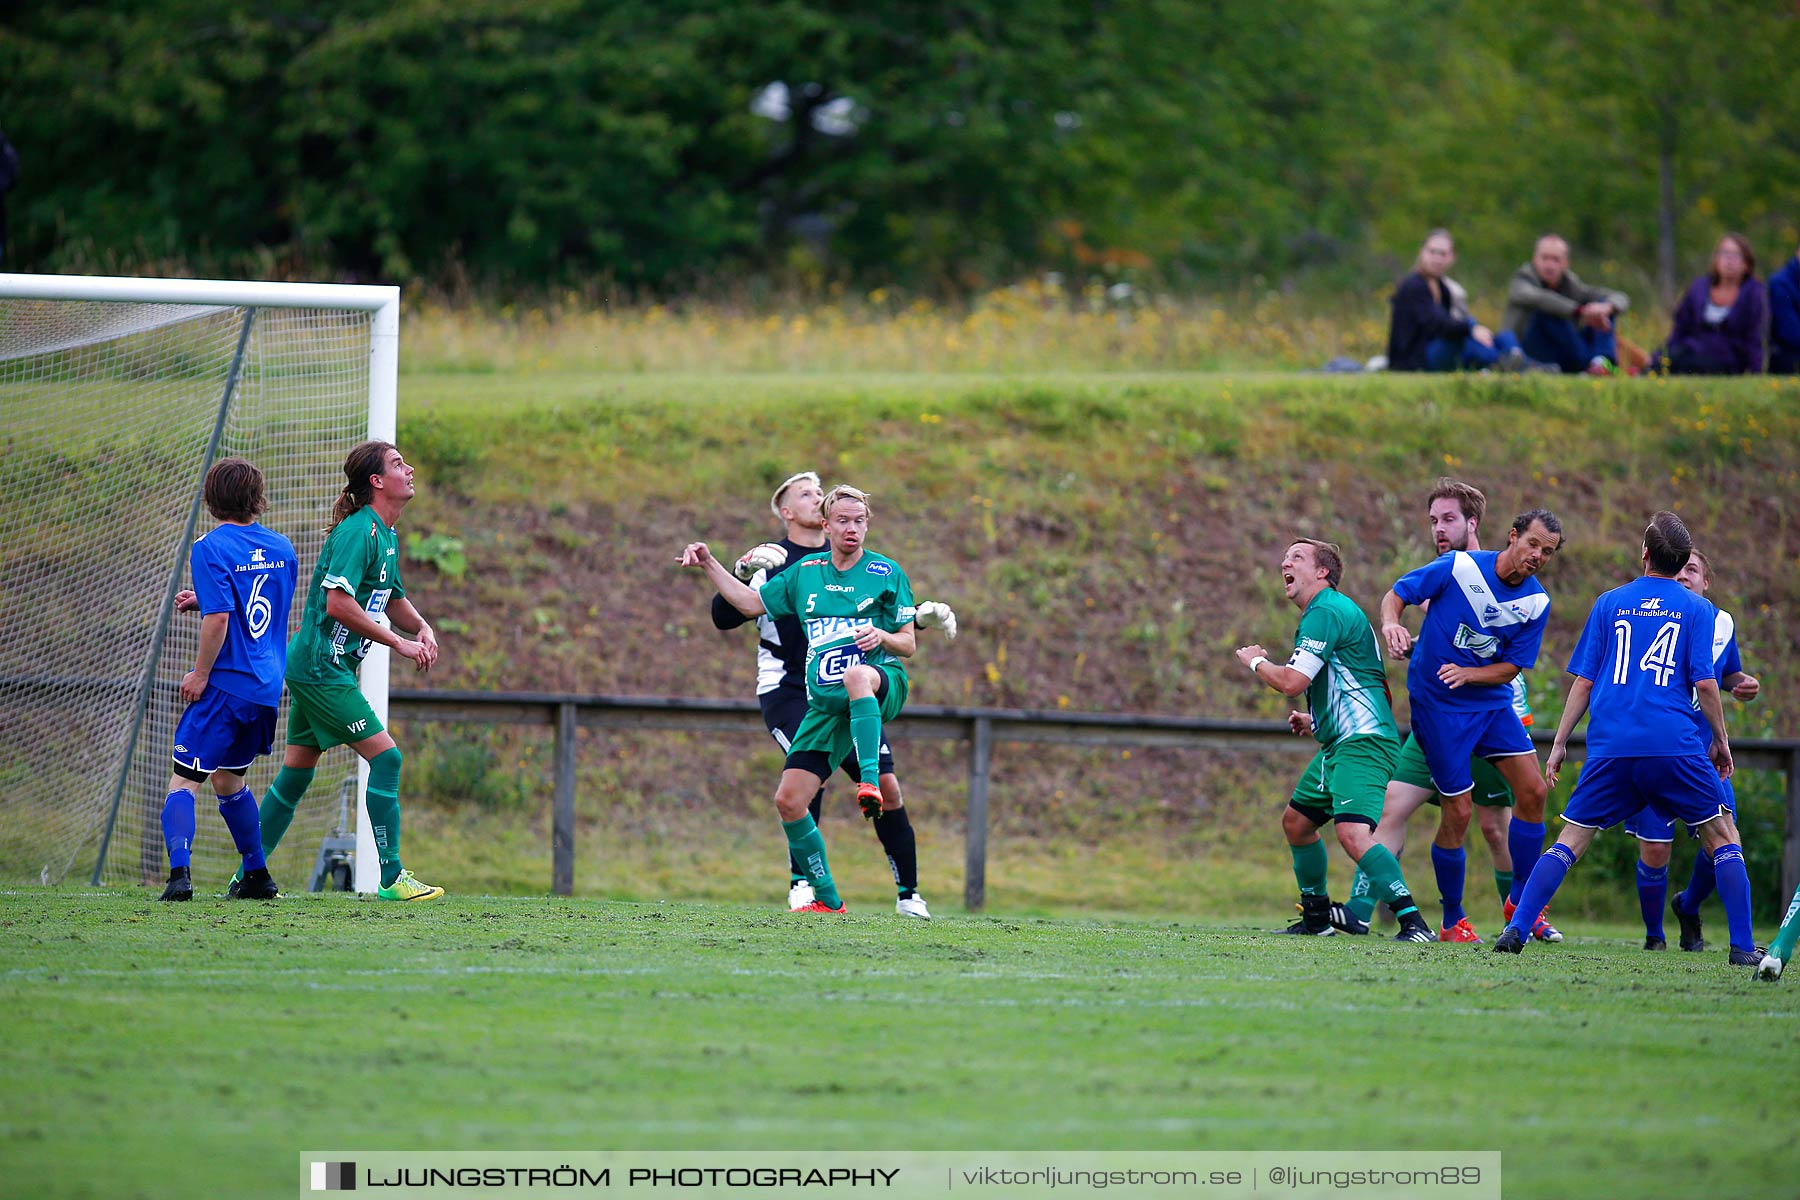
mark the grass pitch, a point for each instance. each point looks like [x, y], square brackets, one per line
[191, 1050]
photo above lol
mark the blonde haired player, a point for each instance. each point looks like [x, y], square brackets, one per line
[857, 611]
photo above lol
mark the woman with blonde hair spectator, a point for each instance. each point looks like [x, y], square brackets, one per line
[1431, 328]
[1723, 318]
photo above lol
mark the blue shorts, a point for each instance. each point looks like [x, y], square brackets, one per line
[1648, 826]
[1450, 738]
[1677, 788]
[222, 732]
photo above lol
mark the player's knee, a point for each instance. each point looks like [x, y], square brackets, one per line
[384, 769]
[1654, 854]
[1354, 837]
[1297, 826]
[861, 680]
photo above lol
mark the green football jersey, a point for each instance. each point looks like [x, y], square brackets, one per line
[1335, 647]
[361, 557]
[830, 604]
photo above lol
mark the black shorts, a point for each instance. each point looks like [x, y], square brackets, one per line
[784, 708]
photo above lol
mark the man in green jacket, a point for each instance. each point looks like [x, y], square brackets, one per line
[1559, 319]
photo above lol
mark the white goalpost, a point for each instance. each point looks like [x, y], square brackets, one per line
[116, 396]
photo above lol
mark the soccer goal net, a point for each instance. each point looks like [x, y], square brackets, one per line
[118, 395]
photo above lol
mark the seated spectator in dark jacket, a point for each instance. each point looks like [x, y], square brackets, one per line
[1720, 321]
[1559, 319]
[1431, 329]
[1784, 319]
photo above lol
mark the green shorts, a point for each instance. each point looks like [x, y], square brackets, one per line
[1347, 781]
[323, 715]
[826, 728]
[1491, 790]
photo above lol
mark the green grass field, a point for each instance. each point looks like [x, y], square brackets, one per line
[152, 1050]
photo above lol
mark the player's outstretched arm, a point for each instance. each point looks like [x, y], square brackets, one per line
[737, 594]
[1394, 634]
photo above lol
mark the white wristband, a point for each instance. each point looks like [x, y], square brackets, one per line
[1258, 661]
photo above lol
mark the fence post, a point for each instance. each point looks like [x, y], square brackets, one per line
[981, 747]
[562, 818]
[1790, 841]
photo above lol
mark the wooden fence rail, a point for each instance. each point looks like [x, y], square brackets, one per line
[981, 728]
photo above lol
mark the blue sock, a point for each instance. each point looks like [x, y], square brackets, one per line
[239, 811]
[178, 826]
[1546, 877]
[1449, 867]
[1653, 889]
[1700, 884]
[1526, 841]
[1734, 893]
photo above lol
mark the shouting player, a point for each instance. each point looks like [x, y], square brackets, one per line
[781, 683]
[856, 608]
[1337, 663]
[1656, 834]
[1644, 659]
[1484, 623]
[355, 600]
[244, 577]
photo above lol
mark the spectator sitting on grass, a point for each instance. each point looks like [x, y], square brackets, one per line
[1431, 329]
[1719, 323]
[1559, 319]
[1784, 319]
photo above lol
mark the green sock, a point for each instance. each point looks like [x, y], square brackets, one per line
[1503, 881]
[1783, 945]
[278, 804]
[1310, 864]
[865, 734]
[1361, 902]
[1385, 880]
[384, 811]
[807, 845]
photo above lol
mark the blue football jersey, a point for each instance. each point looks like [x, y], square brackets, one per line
[1725, 662]
[1474, 620]
[249, 572]
[1644, 647]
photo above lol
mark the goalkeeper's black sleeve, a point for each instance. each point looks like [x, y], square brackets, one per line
[726, 617]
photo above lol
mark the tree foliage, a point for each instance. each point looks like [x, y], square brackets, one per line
[947, 147]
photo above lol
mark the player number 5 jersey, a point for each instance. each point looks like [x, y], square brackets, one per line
[832, 604]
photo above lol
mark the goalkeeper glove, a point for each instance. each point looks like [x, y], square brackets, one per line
[765, 557]
[935, 614]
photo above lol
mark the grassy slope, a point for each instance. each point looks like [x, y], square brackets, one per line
[150, 1050]
[1107, 540]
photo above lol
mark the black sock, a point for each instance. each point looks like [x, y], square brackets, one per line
[1408, 911]
[895, 830]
